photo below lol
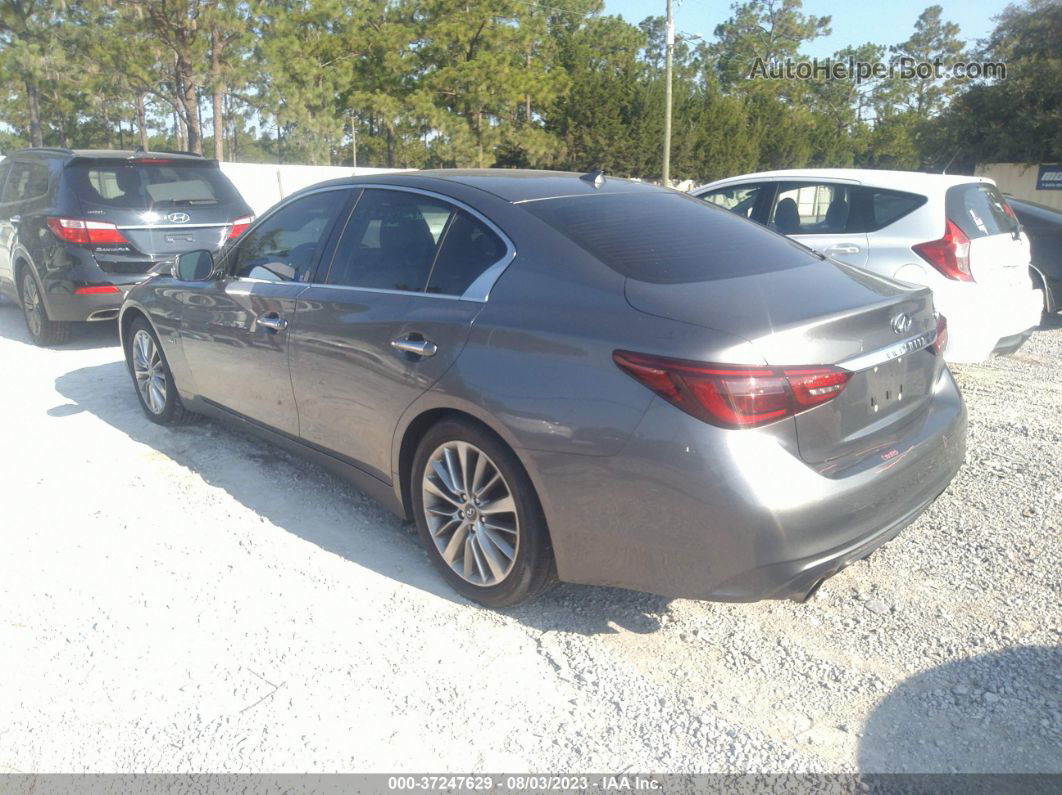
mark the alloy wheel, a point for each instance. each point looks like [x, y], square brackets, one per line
[31, 305]
[149, 371]
[471, 513]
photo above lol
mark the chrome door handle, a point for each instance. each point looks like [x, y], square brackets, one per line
[15, 220]
[272, 321]
[416, 347]
[844, 248]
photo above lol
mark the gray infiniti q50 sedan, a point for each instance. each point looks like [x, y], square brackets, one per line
[565, 377]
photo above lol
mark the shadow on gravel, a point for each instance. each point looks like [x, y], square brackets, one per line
[309, 502]
[996, 713]
[1050, 322]
[83, 336]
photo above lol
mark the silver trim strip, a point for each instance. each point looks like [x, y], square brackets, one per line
[889, 352]
[177, 226]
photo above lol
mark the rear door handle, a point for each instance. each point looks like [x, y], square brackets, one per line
[843, 248]
[272, 321]
[416, 347]
[16, 220]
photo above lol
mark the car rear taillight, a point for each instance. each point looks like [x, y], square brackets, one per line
[239, 225]
[78, 230]
[950, 254]
[940, 342]
[734, 396]
[96, 289]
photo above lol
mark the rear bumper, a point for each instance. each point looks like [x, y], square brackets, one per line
[689, 510]
[983, 319]
[76, 267]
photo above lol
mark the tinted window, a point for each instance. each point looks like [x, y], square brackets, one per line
[469, 248]
[149, 185]
[390, 241]
[979, 210]
[26, 181]
[887, 206]
[5, 166]
[667, 237]
[740, 200]
[284, 246]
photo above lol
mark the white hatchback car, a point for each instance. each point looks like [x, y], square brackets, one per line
[955, 235]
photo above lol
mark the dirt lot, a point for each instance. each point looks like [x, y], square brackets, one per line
[193, 600]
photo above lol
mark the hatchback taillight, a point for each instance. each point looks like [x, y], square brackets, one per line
[734, 396]
[239, 225]
[79, 230]
[950, 254]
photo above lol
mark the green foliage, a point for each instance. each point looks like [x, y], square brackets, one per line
[420, 83]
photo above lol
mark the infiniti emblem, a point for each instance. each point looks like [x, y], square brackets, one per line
[901, 324]
[178, 218]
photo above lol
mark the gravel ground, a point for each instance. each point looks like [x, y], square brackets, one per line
[193, 600]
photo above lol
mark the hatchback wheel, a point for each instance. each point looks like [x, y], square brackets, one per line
[42, 329]
[151, 374]
[479, 517]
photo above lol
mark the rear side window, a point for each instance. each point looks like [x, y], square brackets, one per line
[469, 248]
[979, 210]
[888, 206]
[26, 181]
[668, 238]
[835, 209]
[148, 185]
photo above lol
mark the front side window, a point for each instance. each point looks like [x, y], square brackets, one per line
[284, 247]
[740, 199]
[811, 209]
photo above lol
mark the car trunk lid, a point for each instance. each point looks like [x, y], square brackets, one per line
[824, 313]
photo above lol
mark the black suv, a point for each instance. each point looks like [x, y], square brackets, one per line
[78, 228]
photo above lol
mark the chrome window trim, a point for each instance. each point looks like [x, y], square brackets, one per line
[480, 288]
[894, 351]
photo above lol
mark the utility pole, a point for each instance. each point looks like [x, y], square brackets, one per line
[669, 50]
[353, 141]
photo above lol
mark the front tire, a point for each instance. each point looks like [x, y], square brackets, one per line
[155, 387]
[479, 517]
[43, 330]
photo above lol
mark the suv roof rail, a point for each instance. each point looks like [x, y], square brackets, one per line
[139, 150]
[57, 149]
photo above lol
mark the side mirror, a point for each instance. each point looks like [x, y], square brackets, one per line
[194, 266]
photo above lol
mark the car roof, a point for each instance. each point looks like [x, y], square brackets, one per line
[509, 184]
[106, 154]
[879, 178]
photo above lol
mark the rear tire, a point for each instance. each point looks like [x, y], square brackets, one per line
[155, 388]
[42, 330]
[479, 517]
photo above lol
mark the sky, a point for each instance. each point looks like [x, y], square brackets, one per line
[882, 22]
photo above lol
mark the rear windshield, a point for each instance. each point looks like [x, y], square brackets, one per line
[978, 209]
[148, 186]
[668, 238]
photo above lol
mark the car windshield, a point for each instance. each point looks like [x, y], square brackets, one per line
[669, 238]
[148, 185]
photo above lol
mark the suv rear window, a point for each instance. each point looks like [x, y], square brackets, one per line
[668, 238]
[979, 210]
[147, 186]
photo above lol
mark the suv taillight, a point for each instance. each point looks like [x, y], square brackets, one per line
[239, 225]
[79, 230]
[734, 396]
[950, 254]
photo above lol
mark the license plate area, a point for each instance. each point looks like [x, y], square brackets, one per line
[892, 383]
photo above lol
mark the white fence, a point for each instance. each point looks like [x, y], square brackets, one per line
[264, 184]
[1019, 180]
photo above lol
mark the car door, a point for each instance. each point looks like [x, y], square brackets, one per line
[391, 316]
[235, 329]
[822, 216]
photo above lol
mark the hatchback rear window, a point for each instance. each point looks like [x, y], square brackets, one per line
[147, 186]
[668, 238]
[979, 210]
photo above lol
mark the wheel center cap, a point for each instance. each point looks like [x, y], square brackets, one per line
[470, 512]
